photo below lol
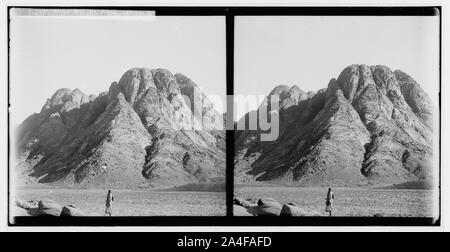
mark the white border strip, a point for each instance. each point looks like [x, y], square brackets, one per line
[77, 12]
[445, 107]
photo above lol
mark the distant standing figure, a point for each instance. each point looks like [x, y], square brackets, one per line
[108, 203]
[329, 202]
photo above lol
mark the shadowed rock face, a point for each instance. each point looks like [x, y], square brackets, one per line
[370, 125]
[139, 133]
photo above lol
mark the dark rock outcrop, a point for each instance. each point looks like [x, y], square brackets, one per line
[49, 208]
[268, 207]
[370, 125]
[72, 211]
[291, 209]
[139, 133]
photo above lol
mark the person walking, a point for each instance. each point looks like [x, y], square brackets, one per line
[329, 202]
[108, 203]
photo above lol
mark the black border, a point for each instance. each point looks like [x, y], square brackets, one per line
[229, 116]
[229, 220]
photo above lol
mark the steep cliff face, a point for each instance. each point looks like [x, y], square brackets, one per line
[141, 132]
[369, 124]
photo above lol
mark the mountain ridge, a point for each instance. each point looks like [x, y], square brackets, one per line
[365, 127]
[138, 133]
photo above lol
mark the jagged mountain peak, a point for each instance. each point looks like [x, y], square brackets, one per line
[64, 96]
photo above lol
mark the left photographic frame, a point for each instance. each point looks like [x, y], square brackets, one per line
[116, 112]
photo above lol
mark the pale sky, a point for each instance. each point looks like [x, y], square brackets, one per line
[310, 50]
[49, 53]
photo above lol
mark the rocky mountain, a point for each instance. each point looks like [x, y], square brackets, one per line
[369, 126]
[142, 132]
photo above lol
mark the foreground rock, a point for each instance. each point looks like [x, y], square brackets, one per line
[291, 209]
[26, 204]
[267, 206]
[242, 202]
[19, 211]
[369, 126]
[240, 211]
[139, 133]
[70, 210]
[49, 208]
[44, 208]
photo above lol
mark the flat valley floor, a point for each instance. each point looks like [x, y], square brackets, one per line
[132, 202]
[361, 202]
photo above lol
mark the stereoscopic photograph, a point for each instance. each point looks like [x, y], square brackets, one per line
[224, 116]
[116, 113]
[337, 116]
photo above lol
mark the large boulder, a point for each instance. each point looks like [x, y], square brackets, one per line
[70, 210]
[240, 211]
[291, 209]
[242, 202]
[268, 206]
[26, 204]
[19, 211]
[49, 208]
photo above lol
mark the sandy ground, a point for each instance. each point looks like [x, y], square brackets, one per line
[146, 202]
[139, 202]
[351, 201]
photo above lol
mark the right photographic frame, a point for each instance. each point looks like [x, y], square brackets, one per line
[337, 116]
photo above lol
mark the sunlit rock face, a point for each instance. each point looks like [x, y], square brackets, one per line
[369, 126]
[138, 133]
